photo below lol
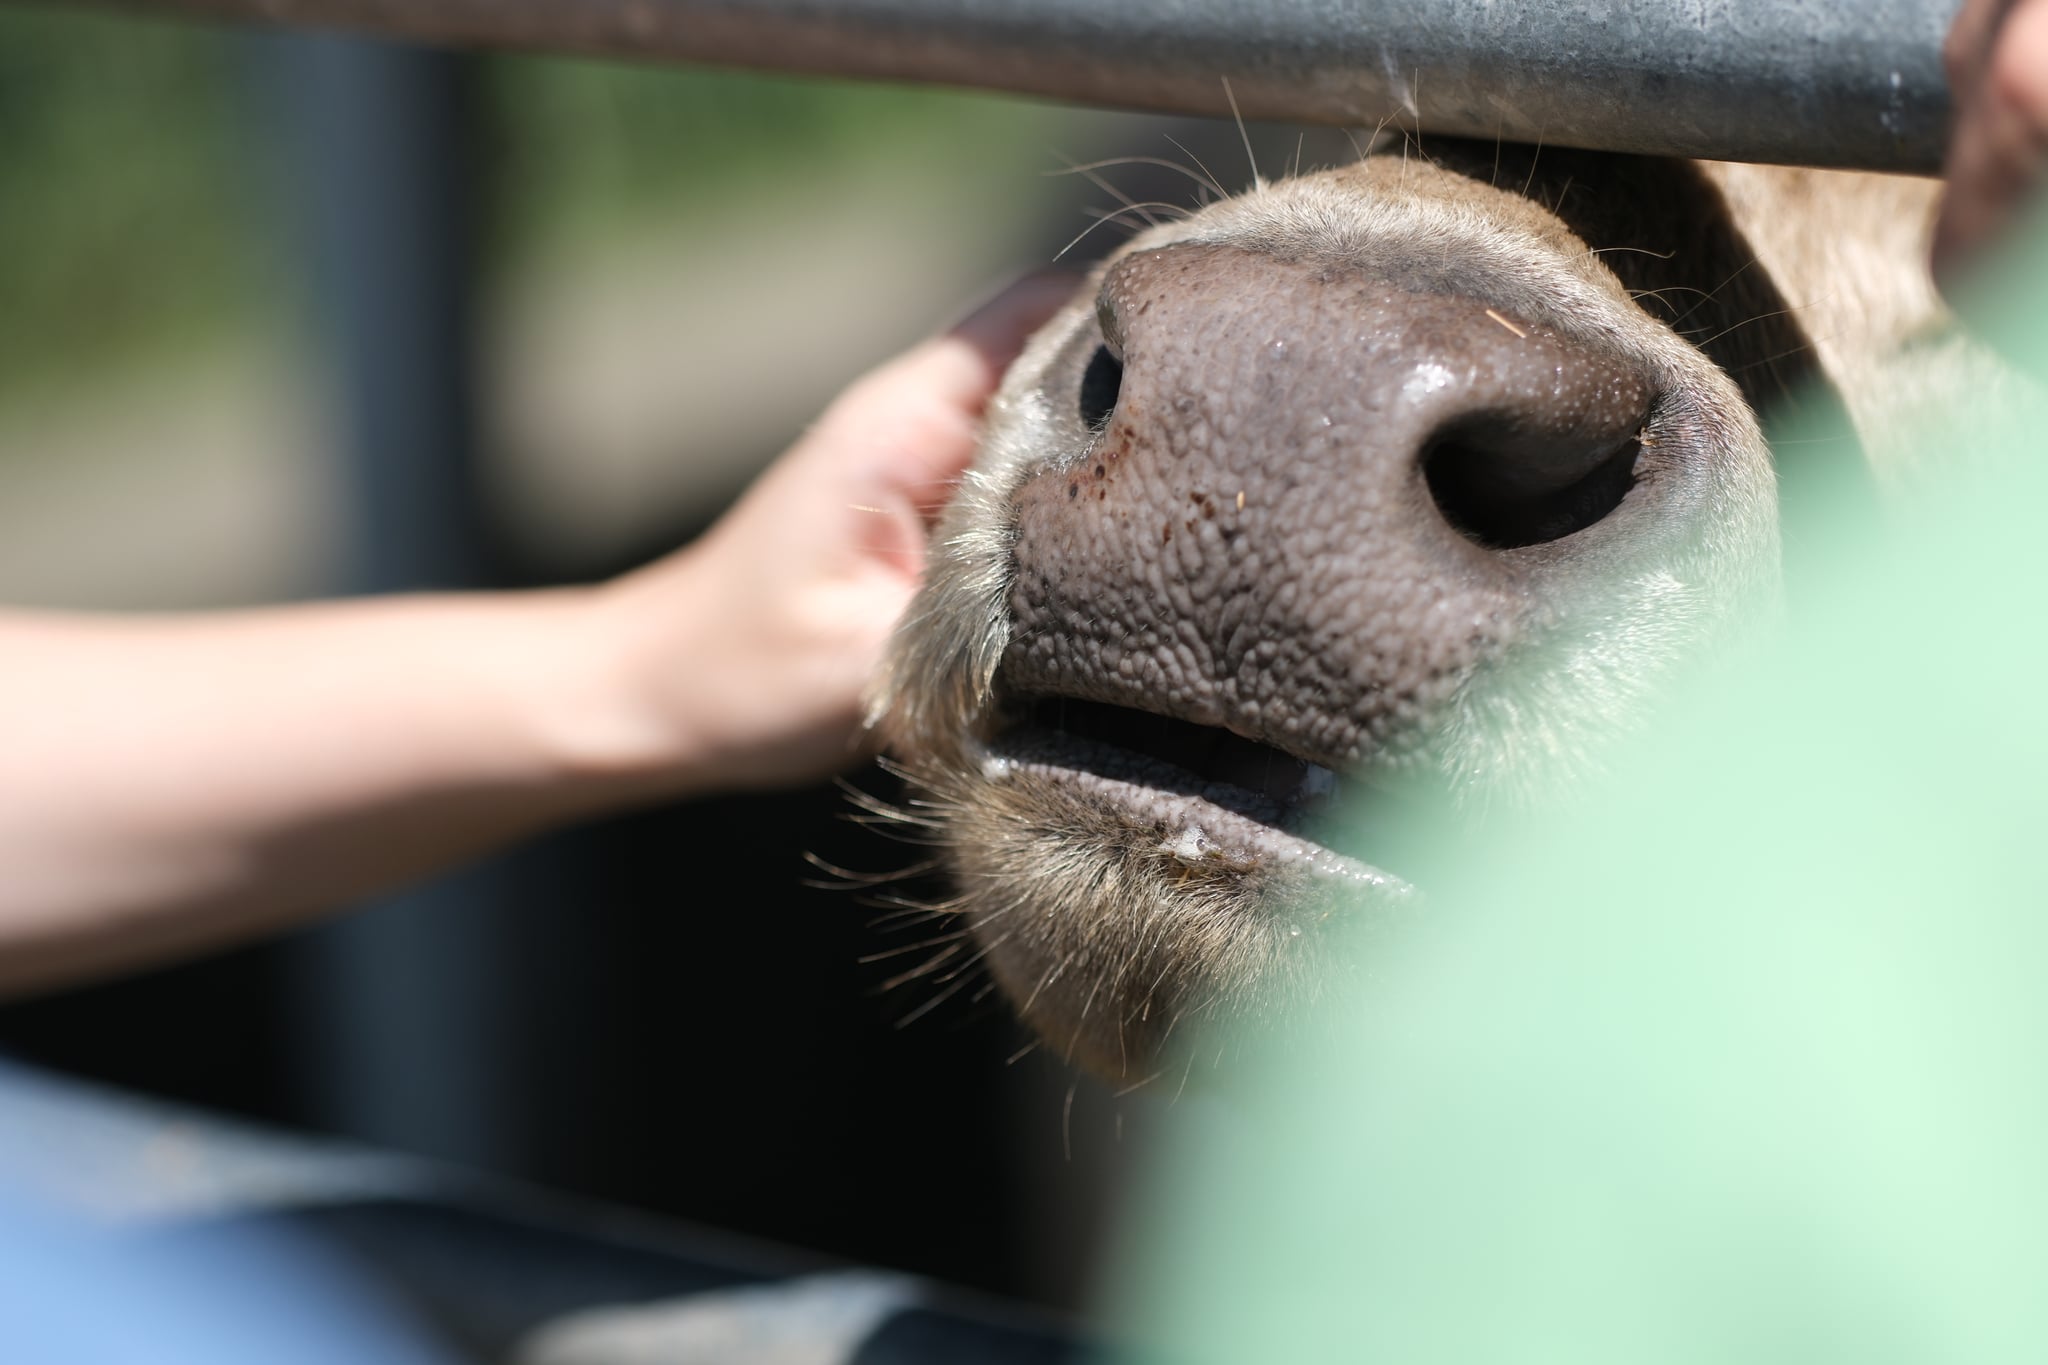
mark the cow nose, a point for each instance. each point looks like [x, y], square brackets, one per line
[1307, 502]
[1520, 436]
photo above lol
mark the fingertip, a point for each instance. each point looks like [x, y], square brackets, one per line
[1969, 38]
[2016, 74]
[963, 364]
[924, 406]
[1998, 152]
[998, 326]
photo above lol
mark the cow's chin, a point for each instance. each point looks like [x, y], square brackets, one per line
[1122, 903]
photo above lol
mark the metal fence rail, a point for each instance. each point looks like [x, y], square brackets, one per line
[1825, 82]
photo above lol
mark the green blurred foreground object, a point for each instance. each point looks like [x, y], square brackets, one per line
[1743, 1063]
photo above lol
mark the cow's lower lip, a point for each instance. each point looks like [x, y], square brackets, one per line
[1199, 821]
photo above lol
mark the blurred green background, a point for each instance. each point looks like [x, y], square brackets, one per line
[658, 312]
[105, 256]
[136, 217]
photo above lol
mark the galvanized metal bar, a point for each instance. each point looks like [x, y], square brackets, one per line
[1824, 82]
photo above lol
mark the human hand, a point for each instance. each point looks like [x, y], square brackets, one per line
[1997, 60]
[743, 657]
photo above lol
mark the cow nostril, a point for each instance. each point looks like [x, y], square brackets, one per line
[1497, 496]
[1101, 382]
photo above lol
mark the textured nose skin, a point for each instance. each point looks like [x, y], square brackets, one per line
[1252, 541]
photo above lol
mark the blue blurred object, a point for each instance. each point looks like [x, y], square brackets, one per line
[74, 1292]
[132, 1231]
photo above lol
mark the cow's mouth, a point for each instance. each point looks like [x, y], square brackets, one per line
[1211, 797]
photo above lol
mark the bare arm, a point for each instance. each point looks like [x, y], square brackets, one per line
[167, 783]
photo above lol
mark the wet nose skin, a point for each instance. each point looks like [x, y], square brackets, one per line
[1262, 535]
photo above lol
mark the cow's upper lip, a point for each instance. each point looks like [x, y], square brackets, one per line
[1213, 795]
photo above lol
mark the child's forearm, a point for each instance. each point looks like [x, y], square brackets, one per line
[168, 783]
